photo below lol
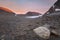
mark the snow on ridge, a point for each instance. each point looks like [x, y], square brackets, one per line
[33, 16]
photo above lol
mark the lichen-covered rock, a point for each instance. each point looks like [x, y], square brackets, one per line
[43, 32]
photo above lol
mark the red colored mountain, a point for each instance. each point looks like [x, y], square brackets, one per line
[5, 11]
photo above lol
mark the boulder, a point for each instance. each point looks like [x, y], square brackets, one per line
[43, 31]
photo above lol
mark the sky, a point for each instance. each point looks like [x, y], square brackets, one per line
[24, 6]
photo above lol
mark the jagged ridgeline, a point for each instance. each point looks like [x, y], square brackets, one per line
[52, 17]
[54, 7]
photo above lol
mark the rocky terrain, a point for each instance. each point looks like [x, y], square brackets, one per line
[12, 27]
[17, 27]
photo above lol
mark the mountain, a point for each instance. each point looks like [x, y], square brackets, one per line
[6, 11]
[32, 13]
[57, 4]
[52, 18]
[54, 8]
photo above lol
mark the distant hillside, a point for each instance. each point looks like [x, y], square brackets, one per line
[5, 11]
[32, 13]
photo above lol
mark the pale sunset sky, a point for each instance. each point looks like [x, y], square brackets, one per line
[23, 6]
